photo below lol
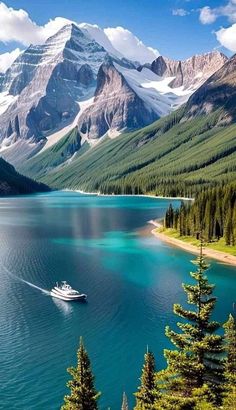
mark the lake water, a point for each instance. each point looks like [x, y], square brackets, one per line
[131, 280]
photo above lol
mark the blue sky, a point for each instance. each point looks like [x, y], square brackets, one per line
[171, 26]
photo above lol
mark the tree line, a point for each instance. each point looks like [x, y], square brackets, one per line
[200, 372]
[213, 213]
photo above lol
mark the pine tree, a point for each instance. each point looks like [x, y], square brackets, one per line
[146, 395]
[83, 395]
[230, 364]
[195, 369]
[124, 402]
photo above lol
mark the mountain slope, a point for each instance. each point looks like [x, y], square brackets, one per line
[173, 155]
[12, 183]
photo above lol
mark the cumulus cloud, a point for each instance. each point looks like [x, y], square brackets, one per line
[16, 25]
[227, 37]
[6, 59]
[180, 12]
[209, 15]
[130, 46]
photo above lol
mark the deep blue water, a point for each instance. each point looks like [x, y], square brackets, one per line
[131, 280]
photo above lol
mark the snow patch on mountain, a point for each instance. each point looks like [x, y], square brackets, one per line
[155, 90]
[6, 100]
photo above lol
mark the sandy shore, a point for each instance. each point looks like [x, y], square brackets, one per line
[179, 198]
[222, 257]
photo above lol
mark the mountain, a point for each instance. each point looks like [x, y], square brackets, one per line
[116, 105]
[78, 79]
[174, 155]
[190, 73]
[45, 82]
[217, 92]
[12, 183]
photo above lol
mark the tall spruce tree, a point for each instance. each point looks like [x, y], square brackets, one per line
[125, 405]
[229, 401]
[195, 368]
[83, 394]
[146, 395]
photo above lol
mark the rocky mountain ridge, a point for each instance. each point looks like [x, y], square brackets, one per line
[218, 92]
[191, 72]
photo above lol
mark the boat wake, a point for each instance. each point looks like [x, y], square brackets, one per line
[25, 281]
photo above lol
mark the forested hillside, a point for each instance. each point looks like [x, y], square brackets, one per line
[169, 157]
[12, 183]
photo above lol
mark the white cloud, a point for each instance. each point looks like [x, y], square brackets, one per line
[7, 59]
[209, 15]
[227, 37]
[180, 12]
[16, 25]
[130, 46]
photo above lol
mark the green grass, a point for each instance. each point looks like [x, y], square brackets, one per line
[217, 246]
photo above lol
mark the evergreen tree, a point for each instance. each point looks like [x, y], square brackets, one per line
[124, 402]
[228, 227]
[195, 369]
[145, 397]
[230, 364]
[83, 395]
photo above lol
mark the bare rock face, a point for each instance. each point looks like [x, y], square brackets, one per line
[116, 106]
[190, 73]
[219, 91]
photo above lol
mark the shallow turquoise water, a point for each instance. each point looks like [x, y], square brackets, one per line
[131, 281]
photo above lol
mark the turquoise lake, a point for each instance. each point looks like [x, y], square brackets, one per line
[132, 281]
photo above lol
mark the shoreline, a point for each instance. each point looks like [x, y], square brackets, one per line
[222, 257]
[178, 198]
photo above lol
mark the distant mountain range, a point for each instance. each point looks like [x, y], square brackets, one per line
[64, 104]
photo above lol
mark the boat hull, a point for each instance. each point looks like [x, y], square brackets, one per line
[78, 298]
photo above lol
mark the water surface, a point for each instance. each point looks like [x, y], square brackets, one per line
[131, 281]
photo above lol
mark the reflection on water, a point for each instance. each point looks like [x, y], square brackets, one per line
[65, 307]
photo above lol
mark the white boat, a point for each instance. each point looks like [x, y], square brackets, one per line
[65, 292]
